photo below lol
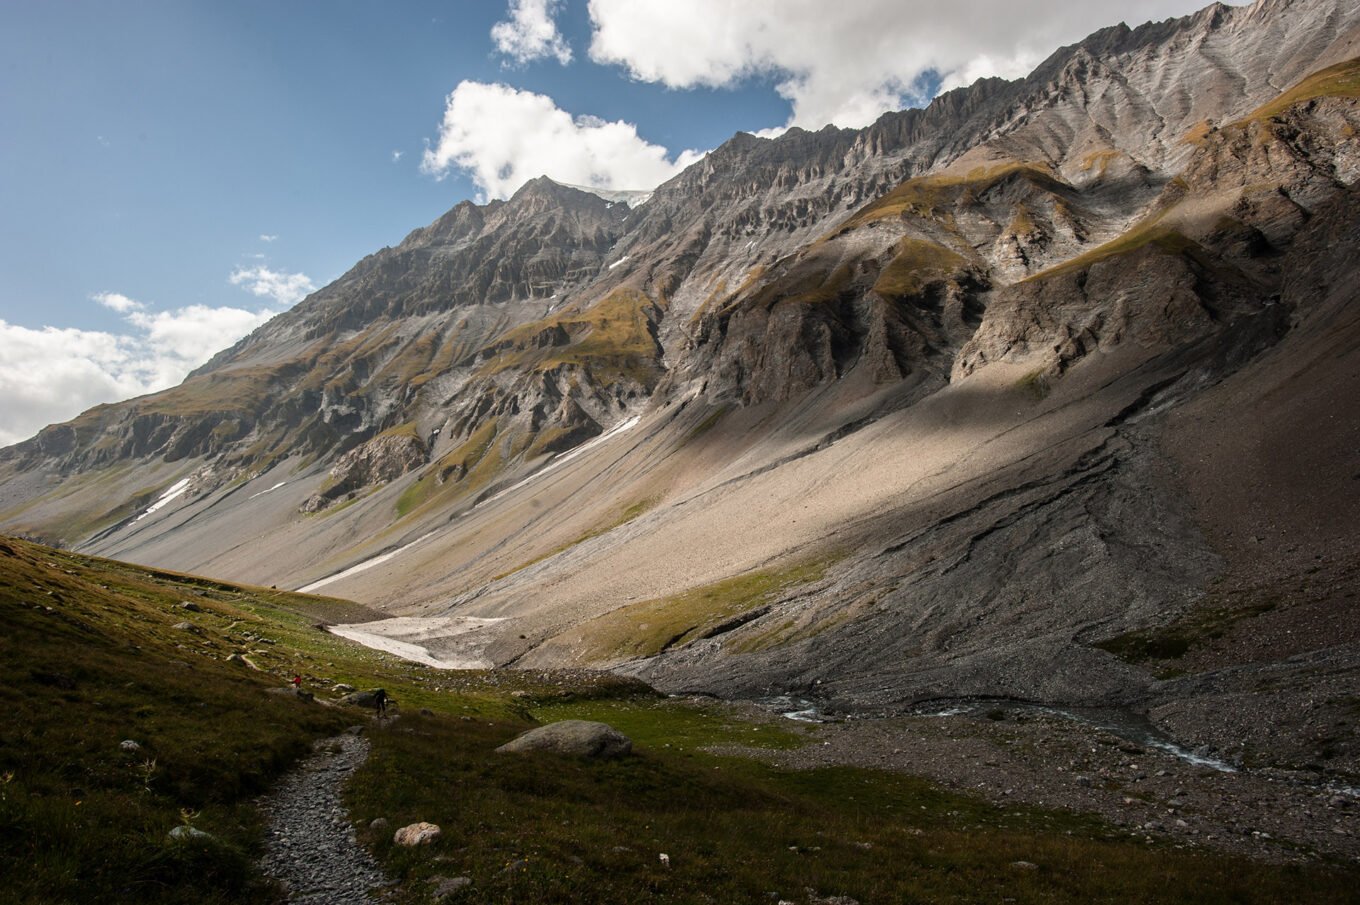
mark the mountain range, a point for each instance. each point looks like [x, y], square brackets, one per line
[1045, 392]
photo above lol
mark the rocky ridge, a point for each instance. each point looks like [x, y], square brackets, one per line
[877, 416]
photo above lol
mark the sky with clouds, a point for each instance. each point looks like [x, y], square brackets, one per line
[176, 172]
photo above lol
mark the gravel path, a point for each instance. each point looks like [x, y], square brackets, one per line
[311, 847]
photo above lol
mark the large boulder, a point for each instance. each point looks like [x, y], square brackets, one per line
[367, 699]
[578, 738]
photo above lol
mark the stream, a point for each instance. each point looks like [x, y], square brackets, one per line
[1124, 724]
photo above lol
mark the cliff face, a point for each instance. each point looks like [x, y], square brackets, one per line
[909, 383]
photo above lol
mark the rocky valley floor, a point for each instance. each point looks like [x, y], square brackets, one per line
[1043, 759]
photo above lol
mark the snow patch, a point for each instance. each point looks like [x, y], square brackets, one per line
[631, 197]
[618, 262]
[175, 490]
[562, 460]
[552, 466]
[270, 490]
[460, 640]
[364, 566]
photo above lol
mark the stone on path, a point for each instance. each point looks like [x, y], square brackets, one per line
[579, 738]
[189, 834]
[421, 833]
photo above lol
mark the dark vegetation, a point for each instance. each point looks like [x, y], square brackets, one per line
[553, 829]
[95, 652]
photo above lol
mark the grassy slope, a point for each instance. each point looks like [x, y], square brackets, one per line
[1341, 80]
[90, 656]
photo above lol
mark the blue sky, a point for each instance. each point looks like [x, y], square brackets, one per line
[148, 148]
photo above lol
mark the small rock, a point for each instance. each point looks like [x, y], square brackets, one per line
[190, 606]
[665, 859]
[189, 834]
[342, 688]
[237, 659]
[1024, 865]
[421, 833]
[579, 738]
[128, 744]
[450, 886]
[378, 824]
[188, 627]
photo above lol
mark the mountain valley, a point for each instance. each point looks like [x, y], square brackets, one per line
[1047, 394]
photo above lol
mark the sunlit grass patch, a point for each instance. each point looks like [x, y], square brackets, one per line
[648, 627]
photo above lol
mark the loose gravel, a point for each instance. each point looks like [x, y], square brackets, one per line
[310, 847]
[1047, 761]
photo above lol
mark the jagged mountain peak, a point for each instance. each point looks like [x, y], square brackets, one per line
[915, 384]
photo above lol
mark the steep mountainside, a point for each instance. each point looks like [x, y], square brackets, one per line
[936, 408]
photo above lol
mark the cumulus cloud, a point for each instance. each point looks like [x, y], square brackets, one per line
[502, 137]
[531, 32]
[266, 237]
[52, 374]
[284, 288]
[846, 63]
[117, 301]
[396, 155]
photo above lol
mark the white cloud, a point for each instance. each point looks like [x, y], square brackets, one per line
[266, 237]
[502, 137]
[396, 155]
[284, 288]
[53, 374]
[530, 33]
[846, 63]
[117, 301]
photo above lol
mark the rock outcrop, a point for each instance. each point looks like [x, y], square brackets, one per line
[382, 459]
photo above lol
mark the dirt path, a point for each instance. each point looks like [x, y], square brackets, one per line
[310, 845]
